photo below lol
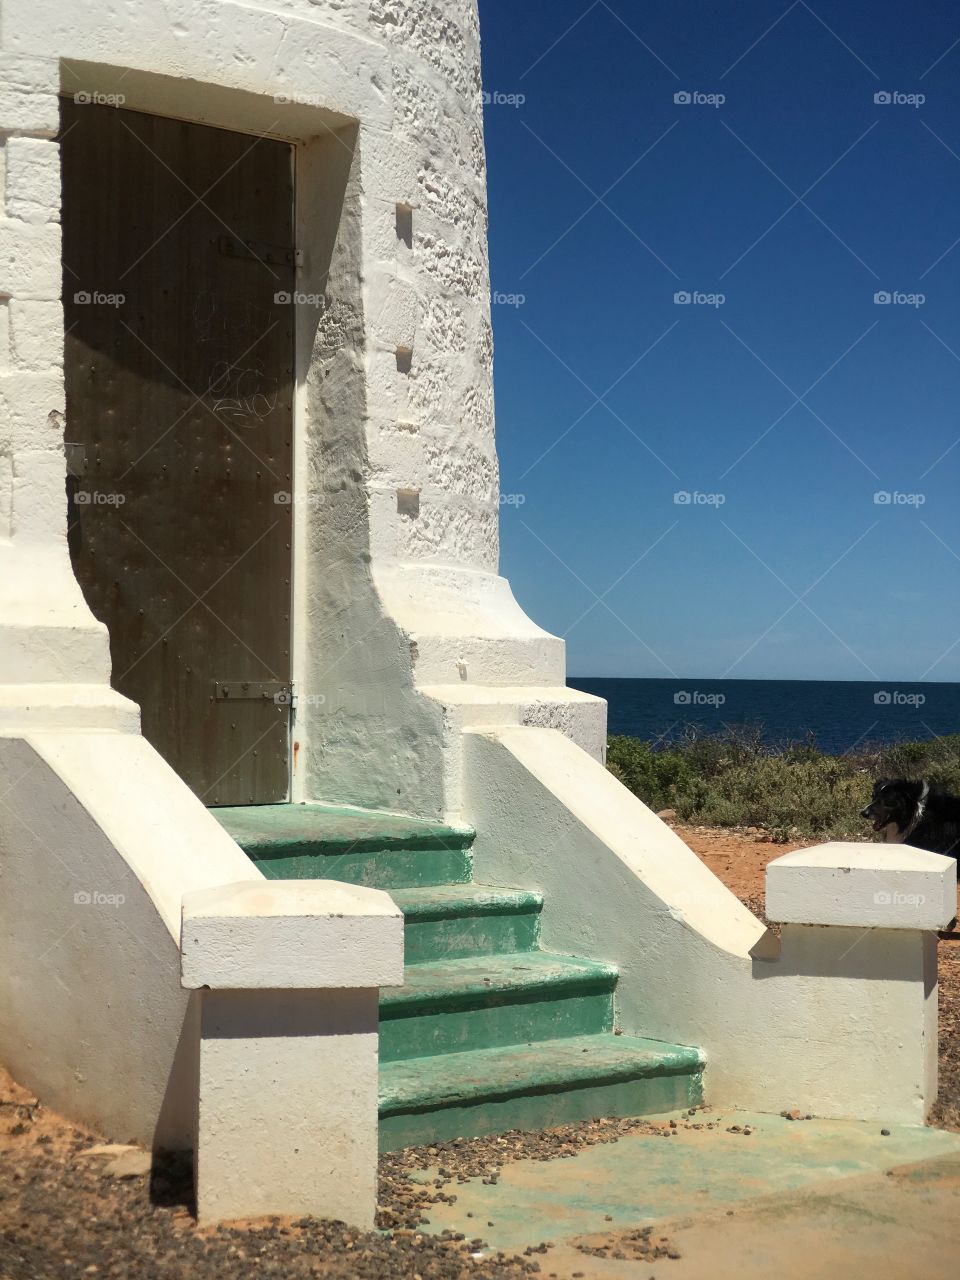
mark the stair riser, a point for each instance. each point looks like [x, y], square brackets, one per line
[650, 1095]
[455, 937]
[492, 1024]
[397, 869]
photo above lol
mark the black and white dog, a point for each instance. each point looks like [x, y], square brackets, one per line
[915, 813]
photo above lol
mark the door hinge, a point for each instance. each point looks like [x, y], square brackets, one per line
[280, 692]
[271, 254]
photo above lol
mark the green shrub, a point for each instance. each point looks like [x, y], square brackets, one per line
[735, 779]
[652, 775]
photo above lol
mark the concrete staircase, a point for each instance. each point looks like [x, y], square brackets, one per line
[489, 1032]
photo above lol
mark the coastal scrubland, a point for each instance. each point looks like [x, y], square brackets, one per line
[792, 789]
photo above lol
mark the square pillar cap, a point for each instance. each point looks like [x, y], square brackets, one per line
[274, 934]
[863, 886]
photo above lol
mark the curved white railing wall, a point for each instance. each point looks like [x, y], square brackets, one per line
[837, 1018]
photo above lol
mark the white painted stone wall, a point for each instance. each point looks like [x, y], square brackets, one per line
[403, 630]
[396, 558]
[46, 632]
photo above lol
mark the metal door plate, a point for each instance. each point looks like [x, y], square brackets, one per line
[277, 691]
[271, 254]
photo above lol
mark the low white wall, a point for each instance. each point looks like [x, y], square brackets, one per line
[155, 986]
[834, 1024]
[99, 840]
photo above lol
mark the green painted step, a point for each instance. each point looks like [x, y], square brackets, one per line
[454, 1006]
[359, 846]
[449, 922]
[488, 1033]
[434, 1099]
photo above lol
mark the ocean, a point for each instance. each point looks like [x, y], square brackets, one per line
[839, 714]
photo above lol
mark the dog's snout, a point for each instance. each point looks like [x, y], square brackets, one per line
[865, 813]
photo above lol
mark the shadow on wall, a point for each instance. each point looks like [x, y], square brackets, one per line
[92, 1014]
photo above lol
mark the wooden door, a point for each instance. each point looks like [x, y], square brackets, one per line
[178, 270]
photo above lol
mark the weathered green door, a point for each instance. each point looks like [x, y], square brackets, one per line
[178, 254]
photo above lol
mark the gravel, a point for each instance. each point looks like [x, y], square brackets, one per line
[62, 1215]
[640, 1245]
[946, 1113]
[405, 1201]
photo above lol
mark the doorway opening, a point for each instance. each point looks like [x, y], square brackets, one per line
[179, 267]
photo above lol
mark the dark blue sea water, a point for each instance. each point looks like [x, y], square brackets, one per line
[840, 714]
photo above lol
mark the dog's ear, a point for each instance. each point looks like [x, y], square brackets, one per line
[909, 788]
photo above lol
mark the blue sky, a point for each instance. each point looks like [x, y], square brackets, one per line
[782, 410]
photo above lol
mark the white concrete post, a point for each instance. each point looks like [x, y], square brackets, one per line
[866, 917]
[289, 972]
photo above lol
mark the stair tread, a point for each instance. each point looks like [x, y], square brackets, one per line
[437, 901]
[514, 972]
[326, 828]
[543, 1066]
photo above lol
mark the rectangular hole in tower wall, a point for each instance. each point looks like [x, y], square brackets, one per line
[405, 224]
[408, 502]
[404, 359]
